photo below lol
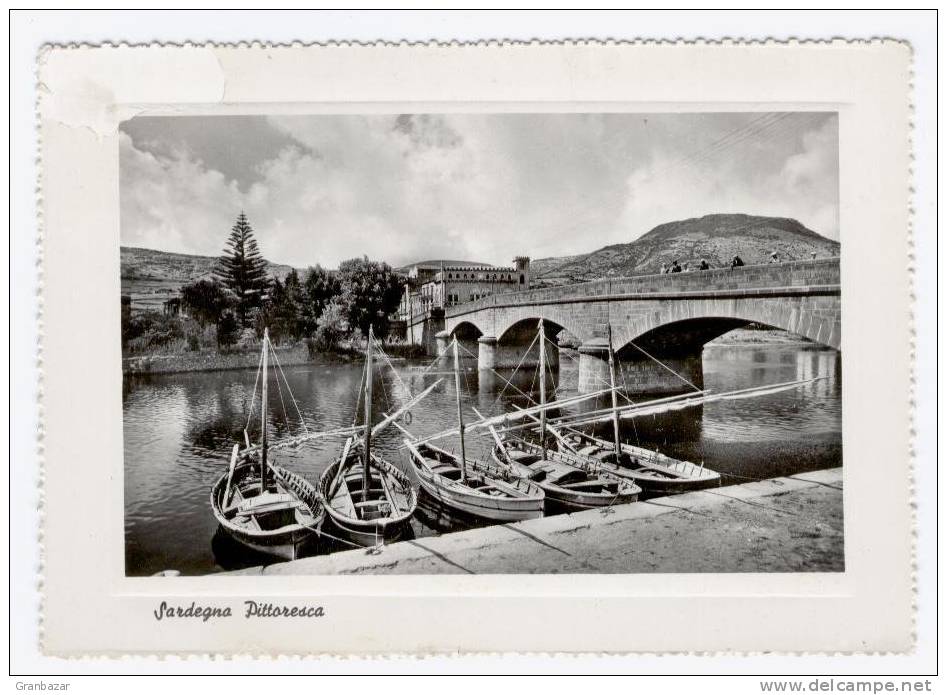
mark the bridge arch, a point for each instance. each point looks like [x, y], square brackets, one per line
[678, 338]
[467, 330]
[523, 331]
[516, 318]
[468, 335]
[685, 325]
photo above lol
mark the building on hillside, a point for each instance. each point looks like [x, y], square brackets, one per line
[442, 284]
[432, 286]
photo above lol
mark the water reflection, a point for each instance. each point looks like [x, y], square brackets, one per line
[179, 430]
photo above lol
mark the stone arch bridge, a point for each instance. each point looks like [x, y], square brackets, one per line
[669, 317]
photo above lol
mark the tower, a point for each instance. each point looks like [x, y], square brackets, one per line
[521, 263]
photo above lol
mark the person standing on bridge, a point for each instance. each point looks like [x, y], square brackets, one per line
[704, 265]
[675, 267]
[736, 262]
[774, 257]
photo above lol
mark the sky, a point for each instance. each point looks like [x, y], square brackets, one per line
[480, 187]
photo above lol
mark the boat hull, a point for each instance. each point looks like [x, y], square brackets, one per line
[284, 547]
[370, 532]
[479, 506]
[559, 498]
[656, 473]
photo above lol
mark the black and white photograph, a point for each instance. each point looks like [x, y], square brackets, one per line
[481, 343]
[522, 351]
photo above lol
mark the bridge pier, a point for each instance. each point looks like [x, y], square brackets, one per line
[512, 356]
[422, 330]
[442, 340]
[638, 375]
[493, 355]
[593, 365]
[468, 346]
[487, 352]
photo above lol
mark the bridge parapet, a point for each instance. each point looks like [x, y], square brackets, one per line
[821, 273]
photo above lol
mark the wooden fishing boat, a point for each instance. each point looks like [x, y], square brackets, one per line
[261, 505]
[368, 499]
[478, 488]
[470, 486]
[570, 483]
[373, 513]
[276, 520]
[652, 470]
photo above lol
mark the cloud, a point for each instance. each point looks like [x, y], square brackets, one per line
[403, 188]
[172, 202]
[790, 169]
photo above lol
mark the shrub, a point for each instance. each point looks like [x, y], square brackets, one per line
[152, 330]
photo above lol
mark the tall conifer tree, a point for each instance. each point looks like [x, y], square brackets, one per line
[242, 269]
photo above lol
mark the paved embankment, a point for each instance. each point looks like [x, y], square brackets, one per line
[780, 525]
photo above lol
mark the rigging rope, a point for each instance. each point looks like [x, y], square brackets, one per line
[649, 355]
[279, 390]
[387, 359]
[256, 382]
[358, 396]
[506, 381]
[515, 369]
[606, 383]
[289, 390]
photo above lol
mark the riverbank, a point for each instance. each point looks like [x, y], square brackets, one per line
[209, 361]
[760, 336]
[791, 524]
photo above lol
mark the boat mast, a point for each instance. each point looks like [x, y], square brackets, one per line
[542, 387]
[611, 371]
[266, 340]
[460, 415]
[368, 414]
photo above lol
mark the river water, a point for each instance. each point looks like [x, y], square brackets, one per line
[179, 430]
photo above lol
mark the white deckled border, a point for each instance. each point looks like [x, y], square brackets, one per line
[86, 91]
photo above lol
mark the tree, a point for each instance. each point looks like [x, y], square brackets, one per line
[333, 324]
[371, 291]
[206, 301]
[228, 330]
[319, 288]
[283, 309]
[242, 269]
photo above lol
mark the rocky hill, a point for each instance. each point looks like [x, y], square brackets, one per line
[716, 238]
[150, 277]
[149, 266]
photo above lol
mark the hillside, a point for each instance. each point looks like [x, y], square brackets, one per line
[150, 276]
[716, 238]
[180, 267]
